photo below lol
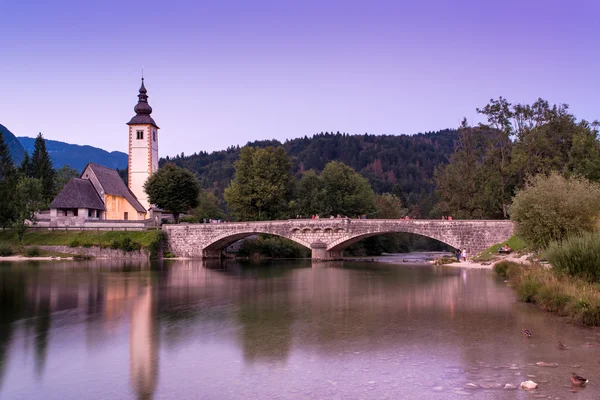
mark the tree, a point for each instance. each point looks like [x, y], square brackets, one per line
[173, 189]
[459, 183]
[25, 168]
[389, 206]
[29, 199]
[262, 184]
[345, 191]
[42, 168]
[208, 207]
[8, 181]
[553, 207]
[310, 194]
[63, 176]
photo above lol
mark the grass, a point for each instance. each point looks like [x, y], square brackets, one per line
[81, 238]
[491, 253]
[577, 256]
[6, 250]
[553, 291]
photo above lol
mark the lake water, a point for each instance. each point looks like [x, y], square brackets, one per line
[280, 330]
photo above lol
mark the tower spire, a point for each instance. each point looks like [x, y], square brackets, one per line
[142, 108]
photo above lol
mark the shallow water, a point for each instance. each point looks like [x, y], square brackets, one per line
[281, 330]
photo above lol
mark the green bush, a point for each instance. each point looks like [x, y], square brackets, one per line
[552, 208]
[74, 243]
[577, 256]
[82, 257]
[5, 250]
[32, 252]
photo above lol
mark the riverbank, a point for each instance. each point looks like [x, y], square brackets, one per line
[568, 296]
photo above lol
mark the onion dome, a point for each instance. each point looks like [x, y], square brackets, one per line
[142, 109]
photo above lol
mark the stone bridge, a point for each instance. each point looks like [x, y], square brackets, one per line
[327, 238]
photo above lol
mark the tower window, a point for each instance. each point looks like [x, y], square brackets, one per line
[140, 134]
[154, 136]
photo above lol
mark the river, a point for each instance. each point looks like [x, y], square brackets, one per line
[279, 330]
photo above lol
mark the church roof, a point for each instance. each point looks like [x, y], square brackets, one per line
[142, 109]
[78, 193]
[112, 184]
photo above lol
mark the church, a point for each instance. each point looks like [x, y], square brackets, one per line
[100, 193]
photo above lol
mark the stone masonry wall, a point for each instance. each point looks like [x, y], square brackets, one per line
[206, 240]
[98, 252]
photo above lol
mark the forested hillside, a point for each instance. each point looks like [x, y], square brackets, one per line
[16, 150]
[402, 164]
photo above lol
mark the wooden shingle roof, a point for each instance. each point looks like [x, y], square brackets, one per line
[78, 193]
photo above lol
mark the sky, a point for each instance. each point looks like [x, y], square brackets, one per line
[222, 73]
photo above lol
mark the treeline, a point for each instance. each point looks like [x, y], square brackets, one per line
[29, 187]
[403, 164]
[494, 159]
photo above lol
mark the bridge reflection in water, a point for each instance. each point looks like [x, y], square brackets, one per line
[204, 308]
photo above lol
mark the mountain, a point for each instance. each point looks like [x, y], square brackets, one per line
[77, 156]
[399, 164]
[17, 152]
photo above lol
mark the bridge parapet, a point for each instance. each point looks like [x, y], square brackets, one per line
[328, 237]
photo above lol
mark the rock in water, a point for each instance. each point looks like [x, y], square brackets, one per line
[509, 386]
[528, 385]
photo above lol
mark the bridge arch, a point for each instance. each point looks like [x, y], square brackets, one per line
[342, 243]
[219, 242]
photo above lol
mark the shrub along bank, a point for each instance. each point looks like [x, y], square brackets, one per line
[554, 291]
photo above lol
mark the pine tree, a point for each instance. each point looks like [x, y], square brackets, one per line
[8, 181]
[42, 168]
[25, 168]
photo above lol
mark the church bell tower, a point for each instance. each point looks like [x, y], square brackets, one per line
[143, 147]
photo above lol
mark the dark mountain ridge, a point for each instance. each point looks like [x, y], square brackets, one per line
[17, 152]
[77, 156]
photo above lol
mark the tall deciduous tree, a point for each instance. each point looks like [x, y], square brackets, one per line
[345, 191]
[8, 181]
[173, 189]
[29, 199]
[310, 194]
[262, 184]
[389, 206]
[42, 168]
[208, 207]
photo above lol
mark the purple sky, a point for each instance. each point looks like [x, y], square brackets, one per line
[221, 73]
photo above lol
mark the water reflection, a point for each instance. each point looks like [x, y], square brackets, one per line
[217, 330]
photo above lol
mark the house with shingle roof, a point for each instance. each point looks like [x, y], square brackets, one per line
[100, 193]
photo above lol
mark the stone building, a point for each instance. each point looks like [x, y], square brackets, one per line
[100, 193]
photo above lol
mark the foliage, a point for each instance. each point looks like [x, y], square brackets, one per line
[26, 167]
[207, 208]
[272, 247]
[32, 252]
[75, 243]
[262, 184]
[564, 295]
[550, 208]
[310, 196]
[29, 199]
[399, 164]
[577, 256]
[125, 244]
[346, 192]
[42, 169]
[518, 141]
[5, 250]
[8, 181]
[389, 206]
[173, 189]
[63, 176]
